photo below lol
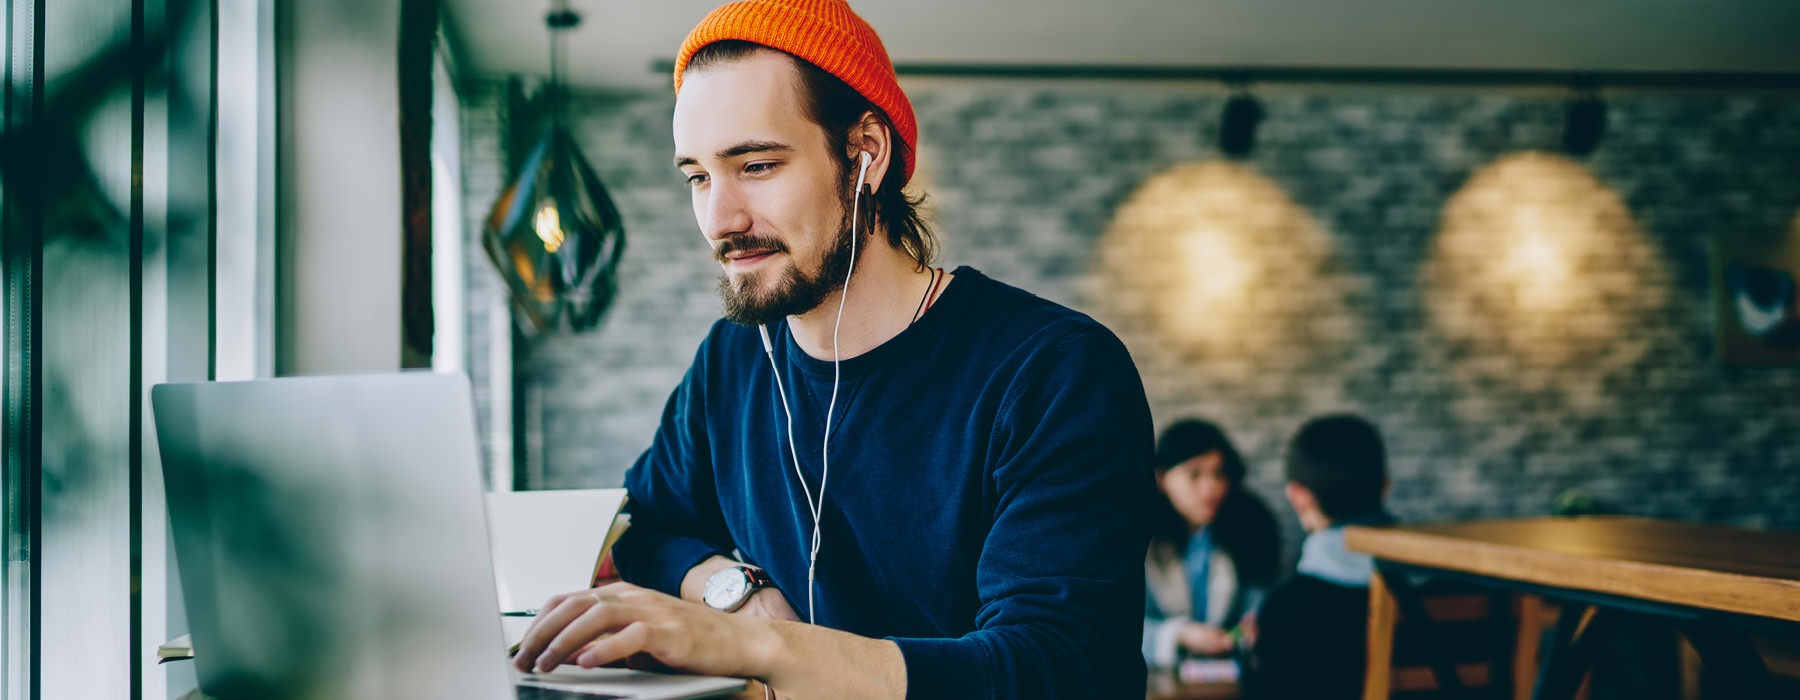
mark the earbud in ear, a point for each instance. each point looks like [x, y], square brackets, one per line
[862, 173]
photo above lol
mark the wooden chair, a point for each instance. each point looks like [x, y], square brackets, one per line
[1535, 616]
[1491, 639]
[1781, 655]
[1512, 669]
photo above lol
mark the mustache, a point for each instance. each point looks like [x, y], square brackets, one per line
[748, 243]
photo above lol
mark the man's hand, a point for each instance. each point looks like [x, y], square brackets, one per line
[1204, 639]
[623, 624]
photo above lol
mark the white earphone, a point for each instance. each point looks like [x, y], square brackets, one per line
[817, 507]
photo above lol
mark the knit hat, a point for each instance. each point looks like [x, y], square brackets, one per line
[825, 33]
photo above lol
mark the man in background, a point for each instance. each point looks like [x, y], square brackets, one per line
[1311, 632]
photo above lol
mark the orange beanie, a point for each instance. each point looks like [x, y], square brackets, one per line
[825, 33]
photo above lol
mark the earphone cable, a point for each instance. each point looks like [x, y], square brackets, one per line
[816, 508]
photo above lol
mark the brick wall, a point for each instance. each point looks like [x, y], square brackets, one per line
[1520, 324]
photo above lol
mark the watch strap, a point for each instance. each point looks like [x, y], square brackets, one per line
[759, 579]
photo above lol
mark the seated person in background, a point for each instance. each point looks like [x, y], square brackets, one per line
[1214, 547]
[1311, 632]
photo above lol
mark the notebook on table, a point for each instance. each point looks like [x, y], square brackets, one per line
[550, 542]
[332, 543]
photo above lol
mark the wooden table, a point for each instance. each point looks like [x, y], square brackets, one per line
[1714, 582]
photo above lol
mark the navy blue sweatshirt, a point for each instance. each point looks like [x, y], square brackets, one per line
[985, 505]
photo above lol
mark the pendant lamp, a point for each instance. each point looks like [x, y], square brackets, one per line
[554, 234]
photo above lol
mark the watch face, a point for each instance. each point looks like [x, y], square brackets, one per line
[725, 589]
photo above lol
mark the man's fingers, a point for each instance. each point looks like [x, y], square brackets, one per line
[600, 616]
[552, 621]
[619, 589]
[633, 639]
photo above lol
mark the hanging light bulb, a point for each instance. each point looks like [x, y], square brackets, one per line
[554, 234]
[549, 228]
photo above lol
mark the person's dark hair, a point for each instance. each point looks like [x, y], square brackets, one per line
[1342, 460]
[836, 108]
[1244, 527]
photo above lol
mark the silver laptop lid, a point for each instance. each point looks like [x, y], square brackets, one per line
[331, 537]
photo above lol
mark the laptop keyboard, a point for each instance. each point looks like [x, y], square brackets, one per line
[532, 692]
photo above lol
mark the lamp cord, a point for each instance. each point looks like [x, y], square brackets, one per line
[560, 19]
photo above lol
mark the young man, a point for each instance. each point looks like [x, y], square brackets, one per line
[878, 479]
[1311, 632]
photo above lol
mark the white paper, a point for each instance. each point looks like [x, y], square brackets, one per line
[547, 542]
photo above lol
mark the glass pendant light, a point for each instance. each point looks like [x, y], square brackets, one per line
[554, 234]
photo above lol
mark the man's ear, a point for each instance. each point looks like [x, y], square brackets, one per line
[1300, 497]
[1306, 507]
[870, 136]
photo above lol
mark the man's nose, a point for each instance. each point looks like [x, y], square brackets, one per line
[724, 211]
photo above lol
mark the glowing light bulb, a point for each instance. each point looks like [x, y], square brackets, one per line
[549, 228]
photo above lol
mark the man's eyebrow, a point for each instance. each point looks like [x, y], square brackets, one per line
[739, 149]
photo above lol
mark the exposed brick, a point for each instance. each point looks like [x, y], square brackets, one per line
[1370, 288]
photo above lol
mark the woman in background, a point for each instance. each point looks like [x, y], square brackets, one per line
[1214, 547]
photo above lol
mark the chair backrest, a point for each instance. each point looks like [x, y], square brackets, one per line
[1470, 628]
[1781, 655]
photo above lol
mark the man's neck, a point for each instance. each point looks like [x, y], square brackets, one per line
[885, 290]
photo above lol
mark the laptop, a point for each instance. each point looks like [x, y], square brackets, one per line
[332, 543]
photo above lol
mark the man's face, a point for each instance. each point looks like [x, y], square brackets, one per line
[767, 192]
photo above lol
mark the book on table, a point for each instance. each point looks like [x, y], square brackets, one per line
[551, 542]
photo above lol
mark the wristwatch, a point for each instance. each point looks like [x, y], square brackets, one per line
[731, 587]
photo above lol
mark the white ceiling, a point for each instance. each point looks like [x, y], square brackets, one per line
[619, 39]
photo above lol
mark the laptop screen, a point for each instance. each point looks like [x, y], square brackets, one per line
[331, 537]
[332, 540]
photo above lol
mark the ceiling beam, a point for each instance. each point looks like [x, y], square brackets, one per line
[1239, 75]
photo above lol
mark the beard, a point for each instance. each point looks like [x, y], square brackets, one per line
[797, 292]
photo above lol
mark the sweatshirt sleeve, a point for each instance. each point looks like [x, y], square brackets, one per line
[1161, 637]
[1161, 629]
[675, 517]
[1061, 573]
